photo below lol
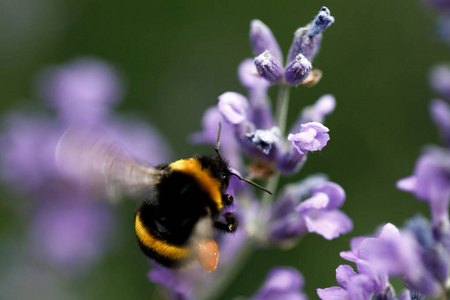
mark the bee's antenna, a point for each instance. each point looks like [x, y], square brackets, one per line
[252, 183]
[218, 140]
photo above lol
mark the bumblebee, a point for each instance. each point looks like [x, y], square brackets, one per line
[183, 200]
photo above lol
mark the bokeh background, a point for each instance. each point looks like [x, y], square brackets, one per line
[178, 56]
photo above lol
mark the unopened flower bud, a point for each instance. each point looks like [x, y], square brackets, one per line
[269, 67]
[298, 70]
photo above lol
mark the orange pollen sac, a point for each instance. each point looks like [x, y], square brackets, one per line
[208, 254]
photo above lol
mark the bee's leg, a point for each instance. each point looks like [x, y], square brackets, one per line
[227, 199]
[231, 226]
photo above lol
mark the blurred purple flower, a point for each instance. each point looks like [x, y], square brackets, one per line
[440, 112]
[27, 152]
[71, 232]
[282, 283]
[84, 89]
[430, 182]
[440, 79]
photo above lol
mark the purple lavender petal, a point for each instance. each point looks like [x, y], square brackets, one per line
[261, 112]
[210, 127]
[329, 224]
[335, 193]
[317, 201]
[291, 194]
[343, 274]
[440, 112]
[297, 70]
[84, 89]
[270, 68]
[360, 288]
[317, 112]
[262, 39]
[333, 293]
[290, 161]
[233, 107]
[313, 136]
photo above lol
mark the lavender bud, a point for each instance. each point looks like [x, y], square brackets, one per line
[321, 22]
[307, 39]
[268, 67]
[298, 70]
[262, 39]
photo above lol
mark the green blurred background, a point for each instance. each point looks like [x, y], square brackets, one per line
[178, 56]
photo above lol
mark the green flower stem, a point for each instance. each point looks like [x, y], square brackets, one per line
[282, 107]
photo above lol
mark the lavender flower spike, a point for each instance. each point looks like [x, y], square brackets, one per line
[298, 70]
[262, 39]
[313, 136]
[269, 67]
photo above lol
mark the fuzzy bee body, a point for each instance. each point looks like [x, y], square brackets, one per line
[189, 190]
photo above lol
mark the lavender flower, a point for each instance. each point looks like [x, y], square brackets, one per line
[309, 206]
[84, 89]
[313, 136]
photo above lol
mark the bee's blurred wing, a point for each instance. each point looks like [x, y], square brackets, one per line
[103, 165]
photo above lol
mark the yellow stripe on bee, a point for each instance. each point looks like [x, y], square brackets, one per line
[162, 248]
[206, 181]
